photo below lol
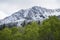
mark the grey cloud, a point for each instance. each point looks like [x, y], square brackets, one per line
[10, 6]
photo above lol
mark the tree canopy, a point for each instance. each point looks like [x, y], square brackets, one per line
[48, 30]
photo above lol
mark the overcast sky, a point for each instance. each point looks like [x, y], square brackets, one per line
[7, 7]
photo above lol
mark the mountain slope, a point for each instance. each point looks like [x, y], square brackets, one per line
[28, 15]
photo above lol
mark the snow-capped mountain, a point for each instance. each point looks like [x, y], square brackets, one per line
[32, 14]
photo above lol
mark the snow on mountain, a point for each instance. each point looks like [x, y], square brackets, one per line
[32, 14]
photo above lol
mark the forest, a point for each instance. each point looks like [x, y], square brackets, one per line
[49, 29]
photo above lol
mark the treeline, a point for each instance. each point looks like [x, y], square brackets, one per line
[49, 29]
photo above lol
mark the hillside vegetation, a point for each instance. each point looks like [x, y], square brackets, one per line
[49, 29]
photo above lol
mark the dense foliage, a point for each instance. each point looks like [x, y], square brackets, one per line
[49, 29]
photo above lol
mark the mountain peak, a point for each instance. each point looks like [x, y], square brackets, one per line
[37, 7]
[35, 13]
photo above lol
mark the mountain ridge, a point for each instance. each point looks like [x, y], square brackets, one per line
[35, 13]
